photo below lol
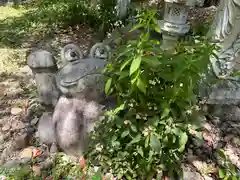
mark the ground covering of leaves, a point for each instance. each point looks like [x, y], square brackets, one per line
[19, 110]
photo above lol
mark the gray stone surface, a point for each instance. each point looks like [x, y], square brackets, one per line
[43, 66]
[46, 131]
[74, 118]
[80, 74]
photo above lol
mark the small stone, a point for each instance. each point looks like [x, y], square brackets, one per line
[191, 158]
[188, 175]
[16, 111]
[207, 178]
[236, 141]
[4, 155]
[6, 127]
[1, 139]
[26, 153]
[199, 165]
[207, 126]
[22, 141]
[34, 121]
[16, 125]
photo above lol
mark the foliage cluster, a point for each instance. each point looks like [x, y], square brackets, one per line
[157, 112]
[46, 16]
[227, 170]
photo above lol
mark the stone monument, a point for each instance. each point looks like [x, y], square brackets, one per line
[225, 33]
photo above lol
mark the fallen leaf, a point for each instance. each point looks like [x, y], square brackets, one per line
[36, 153]
[82, 162]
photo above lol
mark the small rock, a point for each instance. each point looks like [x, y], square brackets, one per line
[2, 139]
[191, 158]
[207, 178]
[2, 122]
[188, 175]
[199, 165]
[207, 126]
[22, 141]
[236, 141]
[26, 153]
[16, 111]
[34, 121]
[2, 146]
[16, 125]
[6, 127]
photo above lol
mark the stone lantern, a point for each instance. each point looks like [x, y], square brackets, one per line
[174, 23]
[43, 66]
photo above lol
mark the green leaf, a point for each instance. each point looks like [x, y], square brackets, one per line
[133, 127]
[141, 86]
[135, 140]
[140, 151]
[147, 141]
[125, 64]
[221, 154]
[155, 143]
[135, 64]
[122, 75]
[183, 140]
[119, 108]
[96, 177]
[125, 133]
[152, 61]
[136, 27]
[221, 173]
[108, 85]
[165, 113]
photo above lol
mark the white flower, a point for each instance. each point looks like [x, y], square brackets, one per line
[95, 168]
[189, 111]
[99, 147]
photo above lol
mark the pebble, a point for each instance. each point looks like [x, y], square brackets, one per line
[34, 121]
[16, 111]
[199, 164]
[22, 141]
[236, 141]
[6, 127]
[2, 139]
[26, 153]
[16, 125]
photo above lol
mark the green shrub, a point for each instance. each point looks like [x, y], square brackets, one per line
[157, 108]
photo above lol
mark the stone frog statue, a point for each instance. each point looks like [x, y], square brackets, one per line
[72, 121]
[81, 104]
